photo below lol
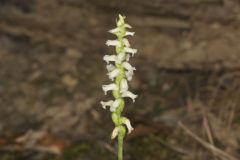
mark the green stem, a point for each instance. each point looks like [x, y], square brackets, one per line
[120, 147]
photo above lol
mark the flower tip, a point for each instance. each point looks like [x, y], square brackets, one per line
[130, 95]
[121, 17]
[135, 96]
[129, 33]
[103, 105]
[114, 31]
[108, 43]
[134, 51]
[112, 43]
[128, 26]
[120, 20]
[130, 50]
[130, 130]
[109, 87]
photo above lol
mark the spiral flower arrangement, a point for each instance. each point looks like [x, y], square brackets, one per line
[120, 71]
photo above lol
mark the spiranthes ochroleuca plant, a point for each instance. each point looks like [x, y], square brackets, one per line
[120, 71]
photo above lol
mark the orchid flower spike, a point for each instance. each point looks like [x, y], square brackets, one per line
[120, 71]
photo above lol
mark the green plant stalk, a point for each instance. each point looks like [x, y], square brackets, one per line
[121, 135]
[117, 93]
[120, 147]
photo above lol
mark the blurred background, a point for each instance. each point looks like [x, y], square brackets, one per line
[187, 79]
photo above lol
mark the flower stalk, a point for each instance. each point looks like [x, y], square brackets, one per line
[119, 71]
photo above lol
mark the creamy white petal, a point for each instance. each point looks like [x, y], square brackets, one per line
[128, 124]
[109, 87]
[115, 104]
[127, 57]
[128, 26]
[126, 42]
[123, 86]
[114, 133]
[110, 67]
[130, 95]
[113, 74]
[113, 43]
[109, 58]
[130, 50]
[120, 58]
[129, 33]
[129, 75]
[115, 30]
[128, 66]
[129, 69]
[108, 103]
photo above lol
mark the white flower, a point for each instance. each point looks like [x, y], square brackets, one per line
[128, 124]
[129, 33]
[127, 26]
[129, 69]
[128, 66]
[114, 31]
[115, 104]
[109, 58]
[126, 42]
[129, 75]
[120, 58]
[116, 58]
[130, 50]
[108, 103]
[123, 86]
[130, 95]
[113, 73]
[109, 87]
[113, 43]
[112, 104]
[114, 133]
[110, 67]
